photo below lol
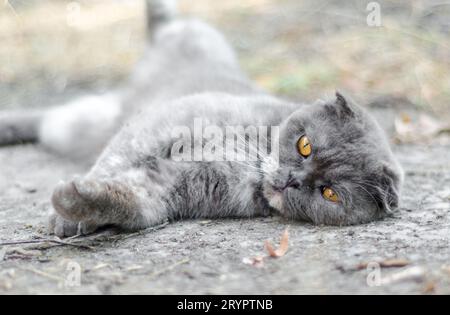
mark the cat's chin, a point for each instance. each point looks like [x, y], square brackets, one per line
[276, 202]
[274, 198]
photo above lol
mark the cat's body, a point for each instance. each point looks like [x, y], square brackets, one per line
[189, 72]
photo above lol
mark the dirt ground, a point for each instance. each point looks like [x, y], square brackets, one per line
[204, 257]
[315, 47]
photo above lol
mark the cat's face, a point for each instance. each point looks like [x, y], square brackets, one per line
[335, 167]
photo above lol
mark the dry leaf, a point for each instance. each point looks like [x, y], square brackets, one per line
[389, 263]
[412, 273]
[446, 269]
[282, 250]
[393, 263]
[258, 261]
[430, 287]
[6, 285]
[422, 128]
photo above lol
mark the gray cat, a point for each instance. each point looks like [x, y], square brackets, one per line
[334, 163]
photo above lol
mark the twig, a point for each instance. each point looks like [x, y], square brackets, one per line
[144, 232]
[46, 241]
[73, 237]
[44, 274]
[169, 268]
[66, 243]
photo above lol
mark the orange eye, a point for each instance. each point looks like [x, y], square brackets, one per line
[330, 195]
[304, 146]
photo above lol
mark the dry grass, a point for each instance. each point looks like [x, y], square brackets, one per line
[48, 42]
[295, 48]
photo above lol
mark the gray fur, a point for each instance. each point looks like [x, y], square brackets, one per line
[18, 127]
[159, 13]
[350, 154]
[190, 71]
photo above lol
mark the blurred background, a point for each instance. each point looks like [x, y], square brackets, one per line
[51, 50]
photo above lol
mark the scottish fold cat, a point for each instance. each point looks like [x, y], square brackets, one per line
[326, 163]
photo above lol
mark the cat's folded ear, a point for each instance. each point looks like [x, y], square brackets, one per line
[388, 193]
[343, 107]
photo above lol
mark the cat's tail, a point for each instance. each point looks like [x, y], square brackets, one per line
[77, 129]
[160, 12]
[20, 126]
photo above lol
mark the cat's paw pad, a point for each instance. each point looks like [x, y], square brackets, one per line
[78, 199]
[61, 227]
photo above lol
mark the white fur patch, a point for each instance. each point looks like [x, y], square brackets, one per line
[82, 125]
[276, 201]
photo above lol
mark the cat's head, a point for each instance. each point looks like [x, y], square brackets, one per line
[335, 166]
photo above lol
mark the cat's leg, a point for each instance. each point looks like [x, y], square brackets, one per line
[131, 199]
[160, 190]
[157, 190]
[185, 38]
[100, 202]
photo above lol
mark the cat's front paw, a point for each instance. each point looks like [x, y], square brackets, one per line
[61, 227]
[77, 200]
[100, 203]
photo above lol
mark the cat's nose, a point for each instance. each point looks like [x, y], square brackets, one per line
[289, 183]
